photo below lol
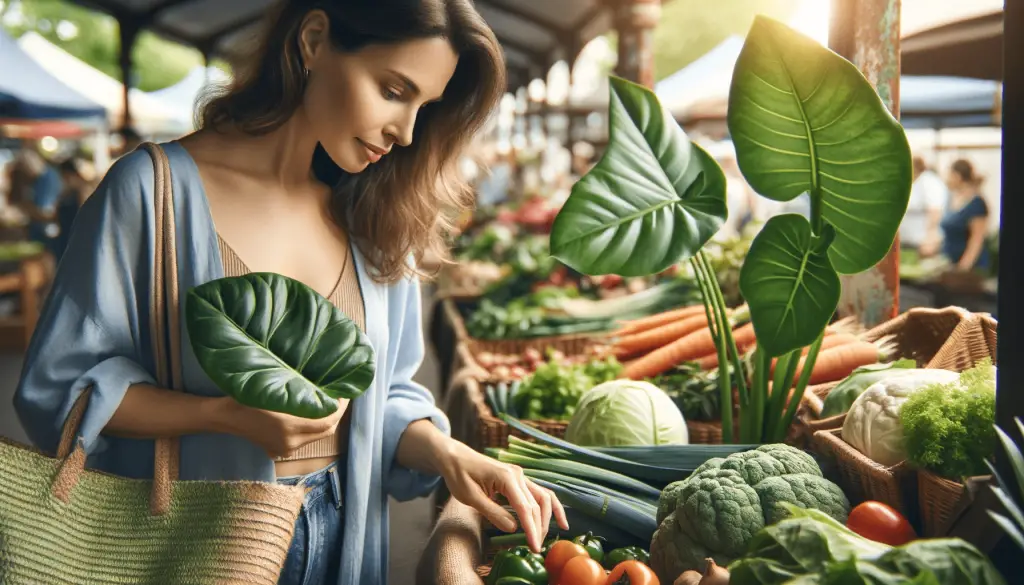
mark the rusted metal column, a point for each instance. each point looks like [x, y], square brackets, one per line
[634, 22]
[867, 32]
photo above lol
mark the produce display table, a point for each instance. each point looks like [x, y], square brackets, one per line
[25, 277]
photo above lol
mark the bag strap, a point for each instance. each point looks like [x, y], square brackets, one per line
[164, 321]
[165, 332]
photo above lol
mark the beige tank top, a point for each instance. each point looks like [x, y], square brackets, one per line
[346, 296]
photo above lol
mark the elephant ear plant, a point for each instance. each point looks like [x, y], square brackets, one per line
[804, 121]
[272, 342]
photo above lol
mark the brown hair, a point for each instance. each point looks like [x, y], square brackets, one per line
[406, 202]
[965, 170]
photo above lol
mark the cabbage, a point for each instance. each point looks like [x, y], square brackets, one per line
[626, 412]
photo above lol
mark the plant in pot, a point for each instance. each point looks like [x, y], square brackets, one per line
[804, 122]
[272, 342]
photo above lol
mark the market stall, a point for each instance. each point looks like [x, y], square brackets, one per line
[648, 398]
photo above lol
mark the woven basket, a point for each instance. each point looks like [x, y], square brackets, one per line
[919, 334]
[939, 500]
[863, 479]
[570, 345]
[487, 430]
[704, 432]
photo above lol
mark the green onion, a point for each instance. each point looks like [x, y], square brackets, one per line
[581, 471]
[608, 510]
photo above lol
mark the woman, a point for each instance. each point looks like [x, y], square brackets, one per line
[966, 222]
[328, 161]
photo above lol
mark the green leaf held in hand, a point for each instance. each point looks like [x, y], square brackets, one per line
[789, 284]
[805, 120]
[652, 201]
[272, 342]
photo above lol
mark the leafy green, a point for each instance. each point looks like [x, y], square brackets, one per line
[272, 342]
[653, 199]
[804, 120]
[948, 428]
[809, 547]
[554, 389]
[626, 412]
[841, 397]
[790, 284]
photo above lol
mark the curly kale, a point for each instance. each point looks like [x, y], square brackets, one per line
[948, 428]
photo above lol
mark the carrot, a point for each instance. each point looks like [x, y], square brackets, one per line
[652, 321]
[690, 347]
[829, 342]
[654, 338]
[839, 362]
[744, 338]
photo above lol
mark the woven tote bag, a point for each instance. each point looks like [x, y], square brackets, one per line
[61, 524]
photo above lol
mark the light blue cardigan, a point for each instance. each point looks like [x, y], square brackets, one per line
[94, 332]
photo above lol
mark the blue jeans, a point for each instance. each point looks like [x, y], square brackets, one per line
[315, 554]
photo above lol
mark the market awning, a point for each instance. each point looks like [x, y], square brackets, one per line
[972, 47]
[27, 91]
[532, 32]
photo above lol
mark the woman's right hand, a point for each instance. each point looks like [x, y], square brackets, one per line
[277, 433]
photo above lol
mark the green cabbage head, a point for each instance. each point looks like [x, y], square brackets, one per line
[725, 502]
[626, 412]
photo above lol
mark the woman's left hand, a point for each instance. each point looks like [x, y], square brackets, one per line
[475, 479]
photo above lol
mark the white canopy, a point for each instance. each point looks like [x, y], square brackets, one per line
[150, 116]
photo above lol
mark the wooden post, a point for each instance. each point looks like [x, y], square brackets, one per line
[129, 32]
[634, 22]
[867, 33]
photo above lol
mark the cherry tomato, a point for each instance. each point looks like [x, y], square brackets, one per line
[582, 570]
[560, 554]
[879, 522]
[632, 573]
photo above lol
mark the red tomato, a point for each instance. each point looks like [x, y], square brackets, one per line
[632, 573]
[559, 556]
[879, 522]
[582, 570]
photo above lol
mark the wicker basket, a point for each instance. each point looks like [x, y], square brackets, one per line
[704, 432]
[492, 431]
[919, 334]
[863, 479]
[939, 499]
[570, 345]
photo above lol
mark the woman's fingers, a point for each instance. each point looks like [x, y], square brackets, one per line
[522, 502]
[491, 510]
[555, 507]
[541, 517]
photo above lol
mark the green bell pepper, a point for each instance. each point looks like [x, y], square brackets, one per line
[627, 553]
[592, 544]
[518, 562]
[512, 581]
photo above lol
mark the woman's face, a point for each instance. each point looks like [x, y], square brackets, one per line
[364, 103]
[953, 180]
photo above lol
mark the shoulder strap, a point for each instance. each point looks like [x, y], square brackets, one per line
[164, 320]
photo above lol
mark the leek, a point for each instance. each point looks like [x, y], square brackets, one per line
[685, 458]
[638, 504]
[608, 510]
[581, 471]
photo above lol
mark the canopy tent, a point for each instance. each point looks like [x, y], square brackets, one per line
[29, 92]
[182, 96]
[533, 33]
[949, 102]
[972, 47]
[152, 116]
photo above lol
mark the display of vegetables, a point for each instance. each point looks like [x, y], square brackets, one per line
[519, 562]
[812, 548]
[873, 426]
[716, 511]
[948, 427]
[553, 390]
[624, 413]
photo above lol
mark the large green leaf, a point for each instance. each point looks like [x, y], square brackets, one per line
[653, 199]
[804, 119]
[789, 284]
[272, 342]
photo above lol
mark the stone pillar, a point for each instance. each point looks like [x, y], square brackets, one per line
[867, 33]
[634, 22]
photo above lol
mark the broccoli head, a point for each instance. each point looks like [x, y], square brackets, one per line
[717, 510]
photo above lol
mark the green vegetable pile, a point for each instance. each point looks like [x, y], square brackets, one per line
[842, 397]
[694, 391]
[811, 548]
[948, 428]
[716, 511]
[554, 389]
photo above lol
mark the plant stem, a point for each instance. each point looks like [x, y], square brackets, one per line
[798, 394]
[737, 361]
[782, 382]
[816, 222]
[762, 365]
[515, 539]
[719, 326]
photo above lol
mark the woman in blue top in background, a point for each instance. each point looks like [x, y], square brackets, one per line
[343, 127]
[965, 225]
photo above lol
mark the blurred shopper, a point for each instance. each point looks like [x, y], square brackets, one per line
[929, 198]
[75, 190]
[497, 176]
[36, 187]
[329, 160]
[966, 223]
